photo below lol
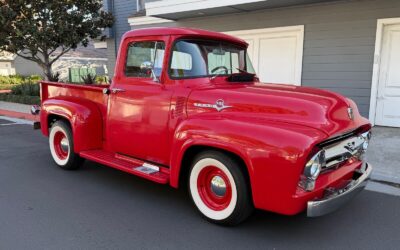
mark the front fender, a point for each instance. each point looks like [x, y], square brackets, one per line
[84, 116]
[274, 152]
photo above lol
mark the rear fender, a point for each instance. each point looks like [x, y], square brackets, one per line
[84, 117]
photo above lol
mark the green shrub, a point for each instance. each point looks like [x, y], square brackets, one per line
[20, 99]
[18, 79]
[89, 79]
[34, 78]
[27, 89]
[7, 86]
[102, 79]
[13, 79]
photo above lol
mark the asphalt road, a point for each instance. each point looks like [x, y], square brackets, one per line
[44, 207]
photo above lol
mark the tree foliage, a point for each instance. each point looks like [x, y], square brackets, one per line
[44, 30]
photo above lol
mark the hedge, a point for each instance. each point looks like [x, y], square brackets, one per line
[28, 89]
[18, 79]
[24, 99]
[7, 86]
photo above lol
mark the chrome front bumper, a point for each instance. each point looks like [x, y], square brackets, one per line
[338, 198]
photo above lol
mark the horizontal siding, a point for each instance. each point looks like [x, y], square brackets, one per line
[339, 40]
[122, 10]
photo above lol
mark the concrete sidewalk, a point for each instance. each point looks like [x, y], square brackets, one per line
[16, 110]
[384, 154]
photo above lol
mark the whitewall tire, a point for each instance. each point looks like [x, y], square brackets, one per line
[219, 189]
[61, 146]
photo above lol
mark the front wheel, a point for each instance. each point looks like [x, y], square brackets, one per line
[219, 188]
[62, 145]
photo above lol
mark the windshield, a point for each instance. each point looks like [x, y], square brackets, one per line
[201, 58]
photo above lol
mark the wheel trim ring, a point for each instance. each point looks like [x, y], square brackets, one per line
[207, 195]
[59, 137]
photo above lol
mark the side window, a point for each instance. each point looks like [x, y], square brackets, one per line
[141, 52]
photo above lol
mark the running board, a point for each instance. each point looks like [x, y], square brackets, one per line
[129, 165]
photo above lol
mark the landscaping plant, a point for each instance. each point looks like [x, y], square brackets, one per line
[43, 31]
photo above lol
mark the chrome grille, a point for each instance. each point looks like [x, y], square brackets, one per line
[339, 152]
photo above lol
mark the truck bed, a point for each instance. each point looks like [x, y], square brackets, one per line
[93, 93]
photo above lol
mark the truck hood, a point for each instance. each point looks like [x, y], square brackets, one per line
[323, 110]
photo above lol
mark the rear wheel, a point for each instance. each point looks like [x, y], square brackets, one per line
[219, 188]
[62, 145]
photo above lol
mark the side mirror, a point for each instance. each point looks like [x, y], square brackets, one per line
[148, 66]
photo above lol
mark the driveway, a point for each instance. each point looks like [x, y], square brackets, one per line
[96, 207]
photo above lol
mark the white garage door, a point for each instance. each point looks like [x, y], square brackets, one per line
[388, 96]
[276, 53]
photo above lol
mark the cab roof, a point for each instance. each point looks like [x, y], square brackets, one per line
[164, 31]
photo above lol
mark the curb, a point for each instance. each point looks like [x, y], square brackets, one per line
[18, 115]
[379, 176]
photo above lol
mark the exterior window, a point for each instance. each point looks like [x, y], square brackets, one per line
[201, 58]
[141, 52]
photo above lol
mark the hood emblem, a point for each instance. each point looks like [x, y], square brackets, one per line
[350, 113]
[219, 105]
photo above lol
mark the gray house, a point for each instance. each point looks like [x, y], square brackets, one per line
[11, 64]
[93, 57]
[350, 47]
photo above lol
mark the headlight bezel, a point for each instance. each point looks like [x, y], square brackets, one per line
[312, 170]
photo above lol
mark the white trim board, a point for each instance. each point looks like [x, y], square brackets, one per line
[279, 32]
[145, 20]
[377, 60]
[174, 6]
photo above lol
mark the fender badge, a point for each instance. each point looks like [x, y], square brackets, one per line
[219, 105]
[350, 113]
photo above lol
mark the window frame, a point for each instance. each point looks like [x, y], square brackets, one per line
[127, 54]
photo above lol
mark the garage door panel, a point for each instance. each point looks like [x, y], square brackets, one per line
[276, 53]
[277, 61]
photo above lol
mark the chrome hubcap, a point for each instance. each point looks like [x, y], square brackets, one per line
[218, 186]
[64, 144]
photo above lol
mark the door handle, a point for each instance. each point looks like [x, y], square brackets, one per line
[117, 90]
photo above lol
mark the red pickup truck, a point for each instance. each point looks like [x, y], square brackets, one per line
[185, 108]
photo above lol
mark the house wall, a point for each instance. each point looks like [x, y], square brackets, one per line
[7, 68]
[25, 67]
[339, 39]
[122, 9]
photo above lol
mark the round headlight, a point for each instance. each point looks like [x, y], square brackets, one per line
[366, 136]
[314, 165]
[314, 170]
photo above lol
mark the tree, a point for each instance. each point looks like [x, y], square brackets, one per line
[44, 30]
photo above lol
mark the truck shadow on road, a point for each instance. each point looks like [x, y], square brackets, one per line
[173, 207]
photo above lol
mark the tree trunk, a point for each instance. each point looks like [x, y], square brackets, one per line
[48, 72]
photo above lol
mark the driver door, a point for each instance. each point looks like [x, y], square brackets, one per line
[139, 107]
